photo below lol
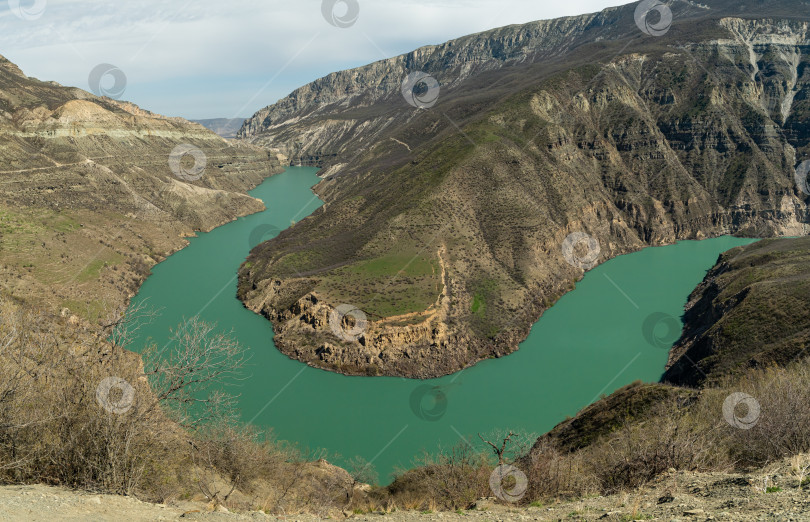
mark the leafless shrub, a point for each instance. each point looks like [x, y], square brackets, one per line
[451, 479]
[25, 354]
[181, 375]
[57, 427]
[638, 452]
[508, 446]
[51, 426]
[554, 475]
[783, 426]
[361, 471]
[800, 468]
[123, 325]
[179, 436]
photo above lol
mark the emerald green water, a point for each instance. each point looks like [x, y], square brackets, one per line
[591, 342]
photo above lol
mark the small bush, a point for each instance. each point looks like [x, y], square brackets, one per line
[452, 479]
[783, 427]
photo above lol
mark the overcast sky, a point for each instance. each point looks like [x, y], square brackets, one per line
[215, 58]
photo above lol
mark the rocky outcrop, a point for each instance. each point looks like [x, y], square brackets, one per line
[327, 121]
[411, 344]
[636, 142]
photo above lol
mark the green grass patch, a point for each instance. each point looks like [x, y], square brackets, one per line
[478, 304]
[483, 308]
[18, 226]
[91, 271]
[297, 262]
[403, 265]
[387, 286]
[91, 310]
[60, 223]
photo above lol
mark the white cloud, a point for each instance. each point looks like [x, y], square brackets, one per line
[208, 58]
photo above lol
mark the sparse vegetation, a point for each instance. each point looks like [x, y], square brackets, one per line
[581, 146]
[77, 409]
[178, 440]
[673, 435]
[173, 437]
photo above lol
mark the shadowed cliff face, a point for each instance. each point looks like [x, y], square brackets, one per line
[89, 197]
[452, 228]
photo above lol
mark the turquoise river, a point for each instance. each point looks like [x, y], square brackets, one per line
[591, 342]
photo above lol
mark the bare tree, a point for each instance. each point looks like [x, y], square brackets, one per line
[182, 374]
[514, 445]
[205, 468]
[123, 325]
[496, 449]
[361, 471]
[453, 478]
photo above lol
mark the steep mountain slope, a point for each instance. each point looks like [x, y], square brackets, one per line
[750, 311]
[89, 198]
[348, 111]
[746, 333]
[452, 228]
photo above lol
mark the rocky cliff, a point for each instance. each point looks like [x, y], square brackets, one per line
[346, 111]
[322, 120]
[94, 191]
[448, 230]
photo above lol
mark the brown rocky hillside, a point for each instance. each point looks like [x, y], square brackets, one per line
[446, 226]
[88, 200]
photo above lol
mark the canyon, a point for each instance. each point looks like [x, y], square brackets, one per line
[446, 227]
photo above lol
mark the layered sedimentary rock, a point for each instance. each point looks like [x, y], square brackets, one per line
[452, 228]
[89, 198]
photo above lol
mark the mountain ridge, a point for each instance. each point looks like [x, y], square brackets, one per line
[451, 62]
[224, 127]
[658, 140]
[725, 332]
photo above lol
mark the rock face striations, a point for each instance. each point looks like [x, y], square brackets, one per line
[88, 199]
[552, 147]
[321, 121]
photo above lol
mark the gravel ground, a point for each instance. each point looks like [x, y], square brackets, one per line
[675, 496]
[39, 502]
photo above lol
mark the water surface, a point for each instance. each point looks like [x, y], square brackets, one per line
[590, 343]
